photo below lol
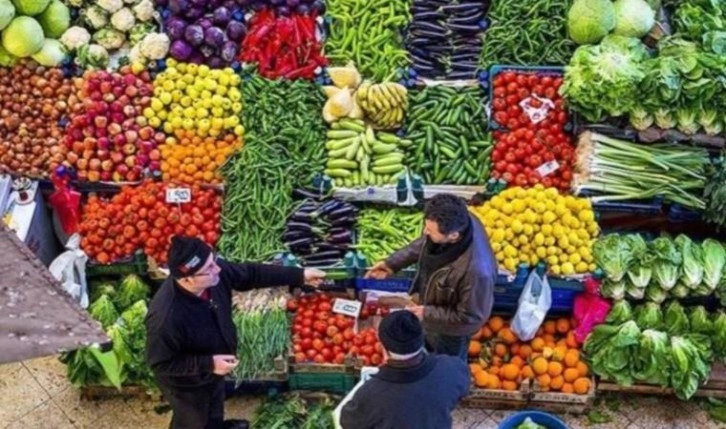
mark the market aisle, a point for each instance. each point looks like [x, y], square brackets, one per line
[36, 394]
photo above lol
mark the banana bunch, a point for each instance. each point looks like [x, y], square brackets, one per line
[384, 104]
[359, 156]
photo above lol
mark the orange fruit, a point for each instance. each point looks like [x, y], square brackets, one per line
[538, 344]
[509, 385]
[496, 323]
[582, 369]
[559, 353]
[525, 351]
[500, 350]
[581, 385]
[494, 383]
[475, 368]
[494, 370]
[544, 380]
[486, 333]
[567, 388]
[571, 374]
[571, 358]
[497, 361]
[549, 340]
[481, 379]
[527, 372]
[510, 372]
[540, 366]
[506, 335]
[474, 348]
[571, 340]
[563, 326]
[514, 349]
[550, 327]
[557, 382]
[554, 369]
[518, 361]
[562, 343]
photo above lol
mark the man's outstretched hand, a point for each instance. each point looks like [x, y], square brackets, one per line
[224, 364]
[380, 271]
[314, 277]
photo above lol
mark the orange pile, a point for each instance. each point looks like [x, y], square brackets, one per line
[190, 159]
[500, 361]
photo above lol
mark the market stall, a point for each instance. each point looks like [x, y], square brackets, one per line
[586, 136]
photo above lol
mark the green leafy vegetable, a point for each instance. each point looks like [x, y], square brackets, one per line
[667, 262]
[633, 18]
[611, 353]
[620, 313]
[613, 254]
[613, 290]
[692, 268]
[700, 321]
[104, 311]
[649, 316]
[589, 21]
[641, 268]
[131, 290]
[23, 37]
[652, 363]
[676, 320]
[55, 20]
[688, 370]
[714, 262]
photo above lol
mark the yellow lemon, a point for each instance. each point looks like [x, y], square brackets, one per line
[568, 269]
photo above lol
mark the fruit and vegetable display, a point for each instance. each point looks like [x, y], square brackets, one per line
[31, 29]
[444, 39]
[320, 233]
[359, 156]
[668, 345]
[188, 158]
[619, 170]
[383, 232]
[659, 269]
[528, 226]
[451, 144]
[283, 150]
[107, 138]
[35, 101]
[121, 310]
[552, 360]
[138, 217]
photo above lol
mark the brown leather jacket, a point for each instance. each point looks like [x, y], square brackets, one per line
[457, 298]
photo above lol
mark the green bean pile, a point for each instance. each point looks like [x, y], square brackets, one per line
[383, 232]
[368, 32]
[449, 133]
[526, 32]
[262, 336]
[284, 147]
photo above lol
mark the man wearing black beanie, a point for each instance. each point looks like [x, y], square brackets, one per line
[413, 389]
[191, 339]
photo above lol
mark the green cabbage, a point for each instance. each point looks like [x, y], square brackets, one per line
[676, 320]
[680, 290]
[700, 321]
[652, 363]
[23, 37]
[613, 290]
[714, 261]
[633, 291]
[52, 54]
[614, 357]
[7, 13]
[613, 254]
[649, 316]
[641, 268]
[30, 7]
[667, 262]
[99, 289]
[104, 311]
[55, 20]
[633, 18]
[655, 293]
[692, 268]
[131, 290]
[6, 60]
[588, 21]
[620, 313]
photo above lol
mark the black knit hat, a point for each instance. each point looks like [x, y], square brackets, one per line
[187, 256]
[401, 333]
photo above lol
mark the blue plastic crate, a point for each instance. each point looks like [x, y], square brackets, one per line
[539, 70]
[400, 284]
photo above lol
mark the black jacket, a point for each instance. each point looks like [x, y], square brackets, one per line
[418, 397]
[184, 331]
[457, 298]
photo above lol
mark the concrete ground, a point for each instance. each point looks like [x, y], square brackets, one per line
[36, 394]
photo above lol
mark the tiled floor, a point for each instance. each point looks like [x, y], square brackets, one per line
[36, 394]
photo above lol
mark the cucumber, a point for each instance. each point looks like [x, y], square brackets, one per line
[347, 183]
[345, 164]
[405, 143]
[355, 178]
[341, 134]
[339, 144]
[352, 125]
[382, 148]
[372, 179]
[360, 154]
[387, 137]
[387, 169]
[382, 162]
[339, 153]
[337, 172]
[353, 149]
[364, 169]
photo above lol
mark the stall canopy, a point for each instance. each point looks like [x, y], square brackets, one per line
[37, 318]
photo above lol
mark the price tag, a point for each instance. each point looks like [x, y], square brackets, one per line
[178, 195]
[547, 168]
[347, 307]
[539, 113]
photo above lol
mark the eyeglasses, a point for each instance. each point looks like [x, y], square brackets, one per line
[207, 271]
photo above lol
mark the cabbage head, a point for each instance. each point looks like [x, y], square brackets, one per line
[620, 313]
[131, 290]
[7, 12]
[633, 18]
[23, 37]
[649, 316]
[104, 311]
[55, 20]
[52, 54]
[588, 21]
[30, 7]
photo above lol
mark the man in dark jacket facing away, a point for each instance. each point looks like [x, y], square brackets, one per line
[413, 390]
[455, 277]
[191, 339]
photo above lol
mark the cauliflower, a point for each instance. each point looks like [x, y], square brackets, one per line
[144, 11]
[135, 55]
[140, 30]
[110, 5]
[123, 20]
[94, 56]
[75, 37]
[109, 38]
[95, 17]
[155, 46]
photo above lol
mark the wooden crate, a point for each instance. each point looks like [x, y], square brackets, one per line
[95, 393]
[558, 402]
[498, 399]
[715, 387]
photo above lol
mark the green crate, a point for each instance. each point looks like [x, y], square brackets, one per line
[136, 265]
[327, 382]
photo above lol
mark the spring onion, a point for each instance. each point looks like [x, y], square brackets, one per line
[262, 335]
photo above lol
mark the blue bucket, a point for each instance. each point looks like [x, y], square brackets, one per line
[545, 419]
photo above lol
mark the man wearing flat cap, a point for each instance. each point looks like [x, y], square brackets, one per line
[191, 339]
[413, 390]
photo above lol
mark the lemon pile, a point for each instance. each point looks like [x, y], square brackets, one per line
[195, 97]
[538, 224]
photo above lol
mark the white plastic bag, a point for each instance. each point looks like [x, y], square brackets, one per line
[70, 269]
[534, 303]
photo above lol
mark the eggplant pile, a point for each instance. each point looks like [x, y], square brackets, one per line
[444, 38]
[320, 233]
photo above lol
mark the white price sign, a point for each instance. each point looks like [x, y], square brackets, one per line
[547, 168]
[347, 307]
[178, 195]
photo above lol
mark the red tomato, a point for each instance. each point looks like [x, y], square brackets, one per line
[327, 354]
[332, 331]
[292, 305]
[324, 306]
[367, 350]
[341, 323]
[309, 314]
[376, 359]
[338, 339]
[300, 357]
[307, 322]
[306, 343]
[320, 326]
[318, 344]
[310, 354]
[339, 358]
[319, 359]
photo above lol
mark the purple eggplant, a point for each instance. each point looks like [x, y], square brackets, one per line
[180, 50]
[292, 235]
[229, 51]
[221, 16]
[236, 31]
[342, 238]
[327, 254]
[344, 211]
[303, 194]
[194, 34]
[196, 57]
[175, 28]
[214, 37]
[301, 242]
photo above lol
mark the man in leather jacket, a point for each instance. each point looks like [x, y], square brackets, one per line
[455, 276]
